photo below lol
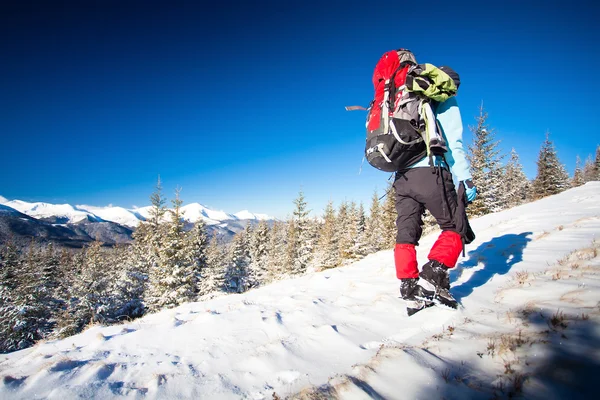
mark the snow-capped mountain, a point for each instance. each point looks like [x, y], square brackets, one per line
[193, 212]
[77, 225]
[245, 214]
[59, 213]
[118, 215]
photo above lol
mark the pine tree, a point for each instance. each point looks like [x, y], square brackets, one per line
[486, 168]
[92, 297]
[236, 273]
[375, 230]
[276, 251]
[212, 280]
[196, 249]
[589, 170]
[300, 240]
[327, 250]
[16, 330]
[578, 178]
[172, 281]
[69, 319]
[343, 232]
[389, 216]
[158, 209]
[258, 248]
[360, 246]
[552, 177]
[516, 184]
[130, 286]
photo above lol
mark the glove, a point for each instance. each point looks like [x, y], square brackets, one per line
[470, 190]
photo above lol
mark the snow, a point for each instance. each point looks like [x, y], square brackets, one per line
[46, 210]
[143, 213]
[245, 214]
[344, 332]
[194, 211]
[127, 217]
[118, 215]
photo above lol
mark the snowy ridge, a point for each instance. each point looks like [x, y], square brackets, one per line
[245, 214]
[127, 217]
[47, 210]
[343, 333]
[118, 215]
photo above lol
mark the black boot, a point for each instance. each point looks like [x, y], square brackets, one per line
[434, 282]
[410, 292]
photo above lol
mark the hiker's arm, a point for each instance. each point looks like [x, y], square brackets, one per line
[449, 118]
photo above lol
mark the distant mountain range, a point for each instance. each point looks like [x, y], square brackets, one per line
[74, 226]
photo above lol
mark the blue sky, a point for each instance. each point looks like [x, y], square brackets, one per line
[241, 104]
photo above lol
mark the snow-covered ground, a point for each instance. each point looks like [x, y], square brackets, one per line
[529, 325]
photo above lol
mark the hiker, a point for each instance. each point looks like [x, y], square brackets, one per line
[421, 187]
[414, 129]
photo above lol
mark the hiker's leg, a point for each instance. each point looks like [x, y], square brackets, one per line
[441, 202]
[409, 229]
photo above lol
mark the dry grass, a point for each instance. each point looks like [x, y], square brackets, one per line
[558, 320]
[522, 277]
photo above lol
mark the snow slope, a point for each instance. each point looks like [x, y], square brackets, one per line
[344, 332]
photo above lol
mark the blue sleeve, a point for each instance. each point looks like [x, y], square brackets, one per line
[448, 115]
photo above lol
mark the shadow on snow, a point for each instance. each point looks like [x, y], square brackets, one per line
[497, 257]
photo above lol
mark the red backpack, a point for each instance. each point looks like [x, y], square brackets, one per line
[394, 125]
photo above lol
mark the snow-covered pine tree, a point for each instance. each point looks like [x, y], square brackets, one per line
[158, 208]
[172, 280]
[389, 216]
[589, 170]
[486, 168]
[45, 289]
[196, 248]
[149, 238]
[68, 322]
[236, 272]
[343, 231]
[258, 247]
[516, 184]
[578, 174]
[327, 249]
[375, 231]
[552, 177]
[130, 284]
[212, 280]
[276, 251]
[91, 292]
[360, 246]
[34, 302]
[300, 240]
[16, 330]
